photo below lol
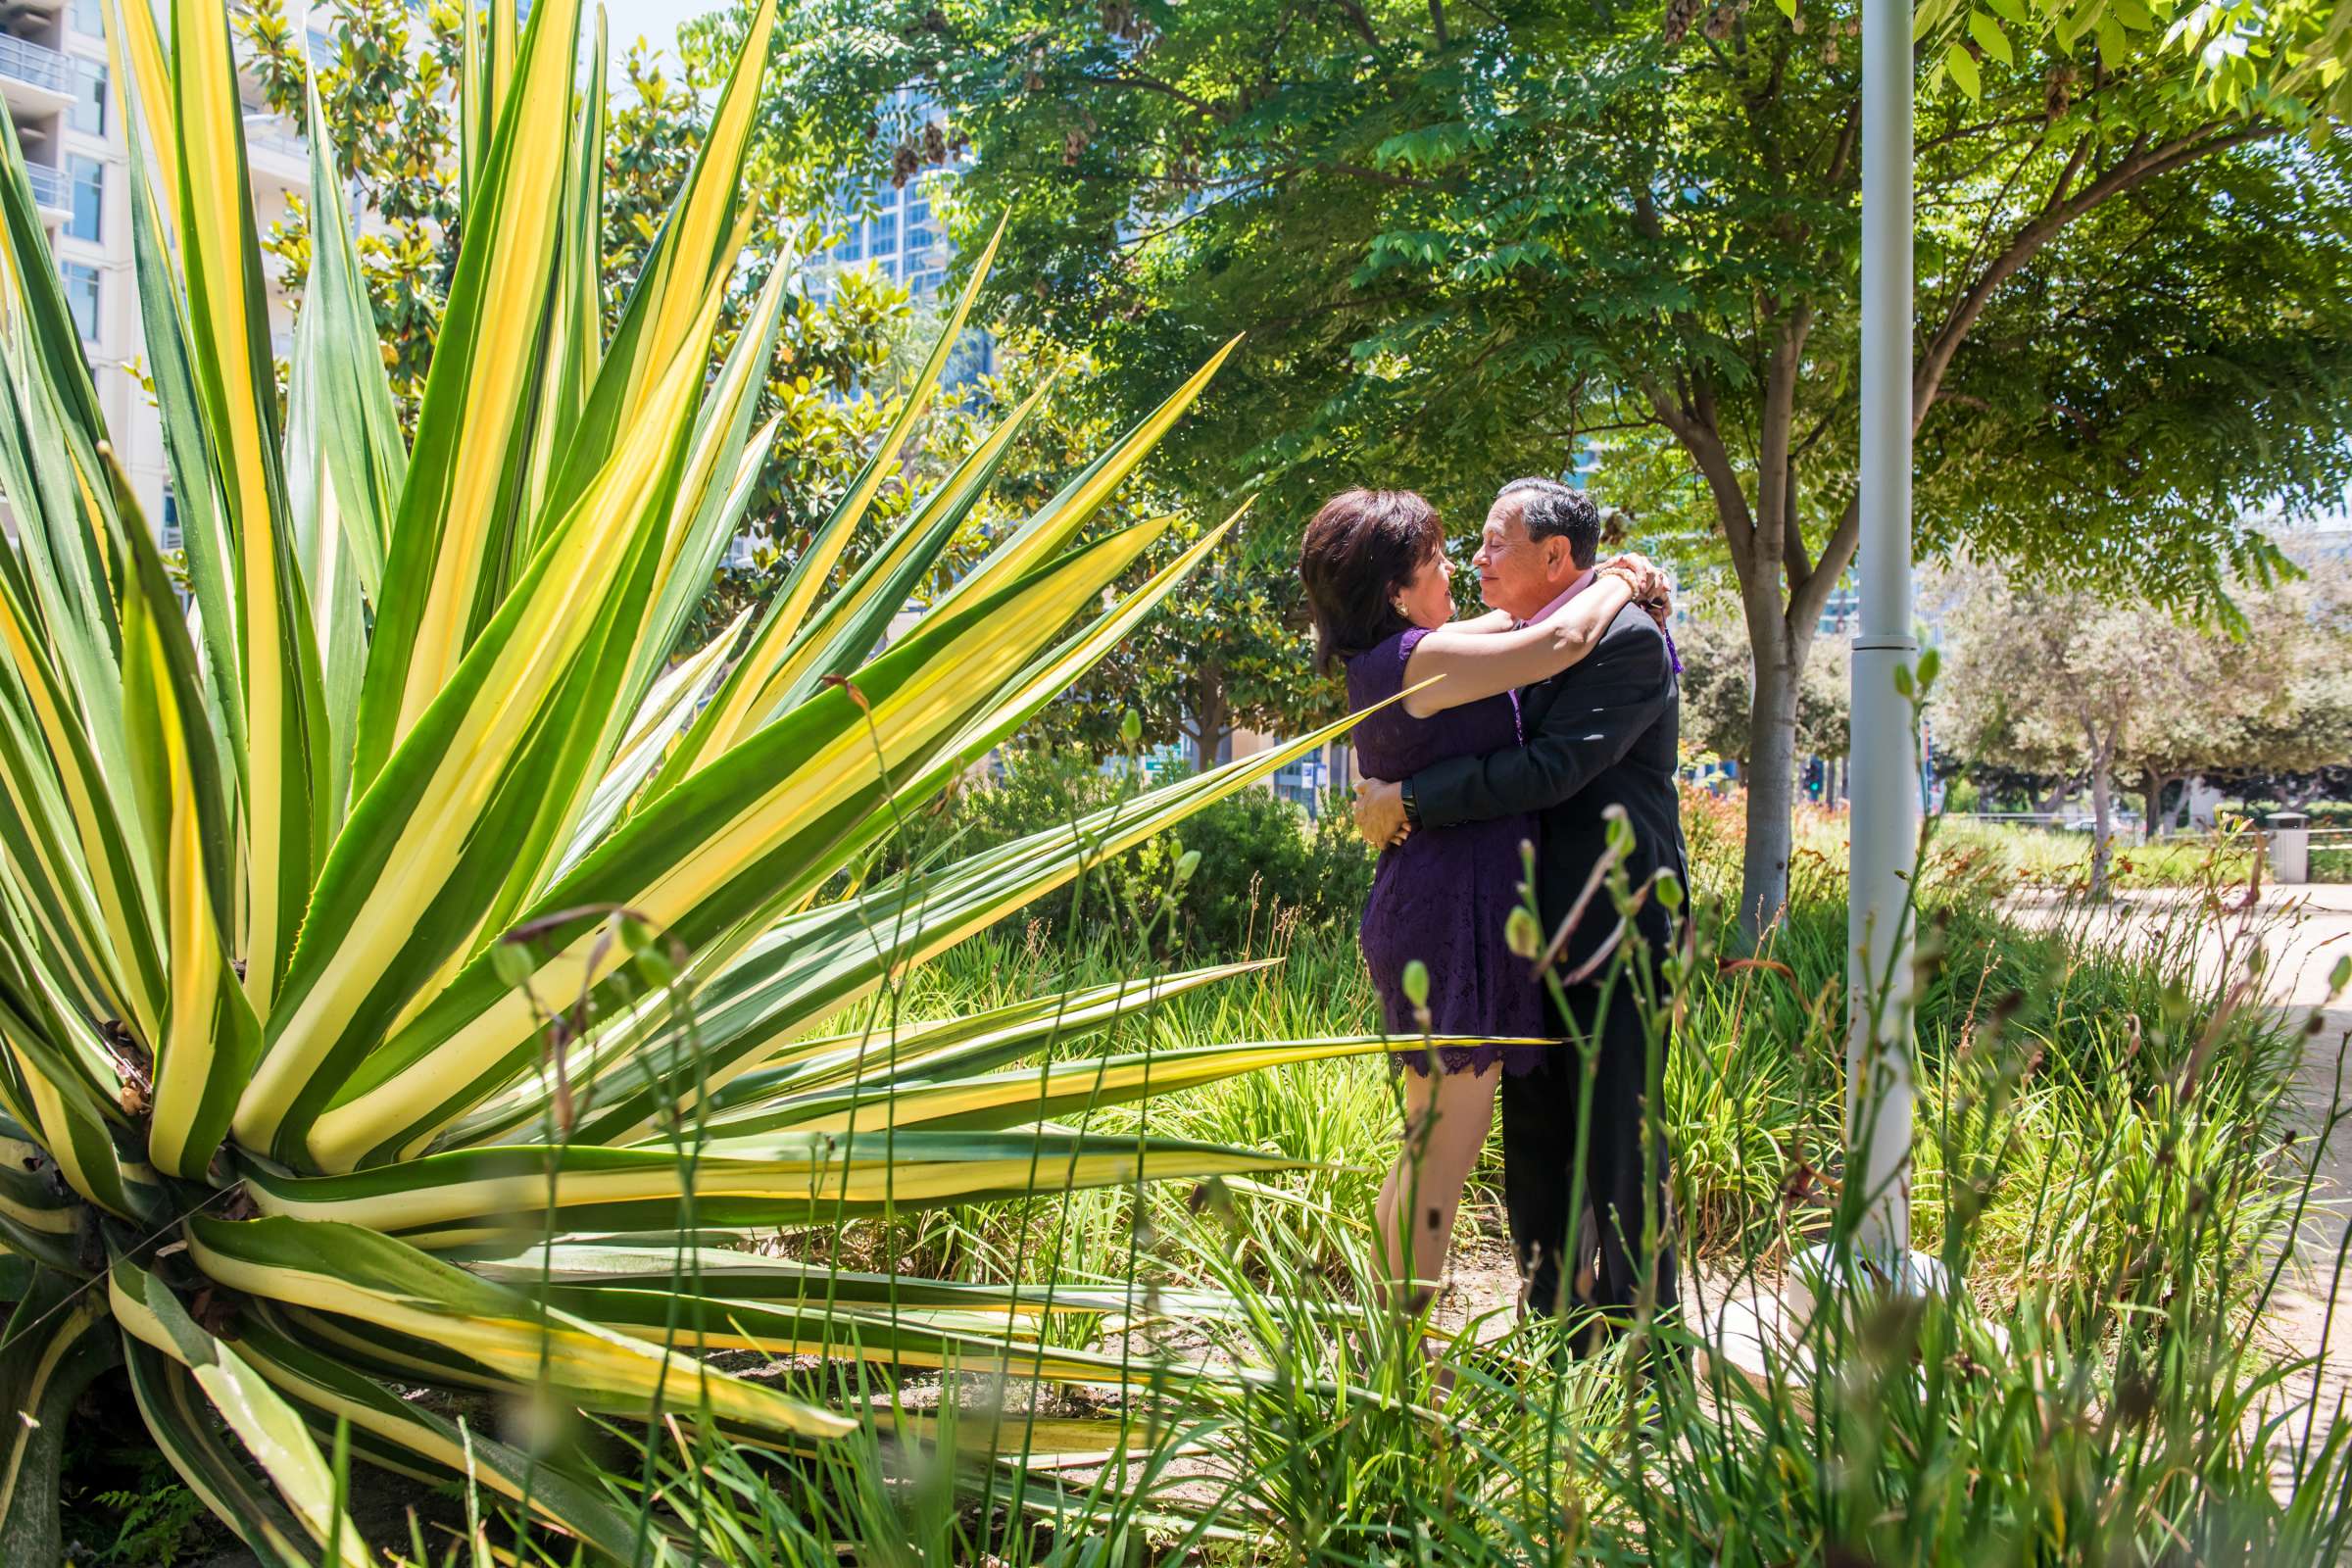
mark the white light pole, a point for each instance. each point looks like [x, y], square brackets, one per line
[1884, 826]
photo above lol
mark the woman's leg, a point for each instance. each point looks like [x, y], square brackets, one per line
[1446, 1117]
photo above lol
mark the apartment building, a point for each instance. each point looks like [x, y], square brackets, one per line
[891, 227]
[53, 79]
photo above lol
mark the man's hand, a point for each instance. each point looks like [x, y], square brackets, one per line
[1380, 812]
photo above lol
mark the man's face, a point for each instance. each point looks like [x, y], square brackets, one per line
[1516, 575]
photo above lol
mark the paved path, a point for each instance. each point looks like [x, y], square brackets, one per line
[2305, 931]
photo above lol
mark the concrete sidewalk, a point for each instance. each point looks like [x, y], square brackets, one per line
[2304, 931]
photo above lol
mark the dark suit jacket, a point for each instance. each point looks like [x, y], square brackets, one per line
[1603, 732]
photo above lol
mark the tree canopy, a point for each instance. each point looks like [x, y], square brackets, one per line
[2065, 685]
[1473, 242]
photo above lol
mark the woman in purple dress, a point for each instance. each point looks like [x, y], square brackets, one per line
[1377, 581]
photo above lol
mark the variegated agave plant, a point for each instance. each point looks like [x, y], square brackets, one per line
[280, 1128]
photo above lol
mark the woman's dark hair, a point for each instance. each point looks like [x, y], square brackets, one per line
[1360, 549]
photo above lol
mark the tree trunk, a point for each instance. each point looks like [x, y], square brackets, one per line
[2154, 787]
[2057, 797]
[2102, 809]
[1213, 715]
[1771, 783]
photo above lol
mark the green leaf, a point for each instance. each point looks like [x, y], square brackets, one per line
[269, 1429]
[58, 1338]
[367, 1277]
[1988, 33]
[1962, 66]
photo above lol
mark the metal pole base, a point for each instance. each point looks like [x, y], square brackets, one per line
[1823, 1274]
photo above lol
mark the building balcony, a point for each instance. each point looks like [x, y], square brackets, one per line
[266, 135]
[274, 154]
[36, 64]
[50, 188]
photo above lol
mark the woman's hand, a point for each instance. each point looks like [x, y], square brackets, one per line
[1641, 574]
[1651, 588]
[1380, 812]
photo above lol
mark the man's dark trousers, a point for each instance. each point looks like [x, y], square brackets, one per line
[1601, 1261]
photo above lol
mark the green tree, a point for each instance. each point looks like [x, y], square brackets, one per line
[2298, 641]
[2120, 694]
[1473, 242]
[388, 90]
[385, 89]
[1719, 691]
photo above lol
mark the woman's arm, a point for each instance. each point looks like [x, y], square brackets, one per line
[1478, 664]
[1486, 625]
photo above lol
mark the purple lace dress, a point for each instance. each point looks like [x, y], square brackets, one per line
[1443, 894]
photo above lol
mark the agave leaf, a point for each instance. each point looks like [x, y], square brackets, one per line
[833, 1332]
[209, 1038]
[845, 633]
[184, 1424]
[54, 432]
[36, 1219]
[451, 541]
[345, 459]
[67, 1086]
[601, 695]
[668, 709]
[967, 1103]
[357, 451]
[1042, 679]
[470, 1195]
[732, 714]
[776, 810]
[966, 1043]
[364, 1275]
[270, 1430]
[1058, 520]
[143, 90]
[203, 512]
[726, 1274]
[236, 388]
[576, 318]
[432, 831]
[57, 1338]
[332, 1388]
[696, 246]
[49, 842]
[807, 967]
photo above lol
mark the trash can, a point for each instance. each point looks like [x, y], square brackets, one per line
[2290, 834]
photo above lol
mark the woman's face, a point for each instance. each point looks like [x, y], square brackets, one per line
[1428, 600]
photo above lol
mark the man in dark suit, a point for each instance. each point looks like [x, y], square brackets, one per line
[1601, 734]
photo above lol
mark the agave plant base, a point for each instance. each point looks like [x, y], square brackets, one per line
[42, 1391]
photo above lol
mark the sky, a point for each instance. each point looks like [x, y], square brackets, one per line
[657, 20]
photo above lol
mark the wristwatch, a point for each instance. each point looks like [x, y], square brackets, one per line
[1412, 808]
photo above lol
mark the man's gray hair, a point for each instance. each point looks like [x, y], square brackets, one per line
[1551, 509]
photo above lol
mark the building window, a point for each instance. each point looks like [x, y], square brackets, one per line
[88, 114]
[81, 297]
[918, 219]
[169, 539]
[973, 355]
[89, 197]
[89, 18]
